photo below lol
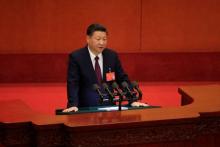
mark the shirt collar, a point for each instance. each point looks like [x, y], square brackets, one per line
[93, 55]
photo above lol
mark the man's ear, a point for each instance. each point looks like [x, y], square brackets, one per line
[87, 39]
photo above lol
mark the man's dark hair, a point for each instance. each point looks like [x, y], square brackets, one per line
[95, 27]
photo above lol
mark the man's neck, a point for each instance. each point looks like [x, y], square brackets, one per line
[93, 52]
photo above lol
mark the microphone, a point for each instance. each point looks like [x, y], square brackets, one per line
[105, 86]
[115, 86]
[125, 86]
[97, 89]
[135, 85]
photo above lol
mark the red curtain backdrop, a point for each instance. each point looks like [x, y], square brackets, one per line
[58, 26]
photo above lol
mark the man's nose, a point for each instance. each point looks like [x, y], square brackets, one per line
[101, 42]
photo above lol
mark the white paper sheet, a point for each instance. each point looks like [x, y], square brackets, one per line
[112, 108]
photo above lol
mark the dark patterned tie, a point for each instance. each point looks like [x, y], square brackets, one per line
[98, 70]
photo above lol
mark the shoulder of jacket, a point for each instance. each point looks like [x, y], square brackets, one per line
[110, 51]
[78, 52]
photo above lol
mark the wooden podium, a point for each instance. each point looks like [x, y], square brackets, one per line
[195, 123]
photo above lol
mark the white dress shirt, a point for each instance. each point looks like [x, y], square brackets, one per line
[92, 57]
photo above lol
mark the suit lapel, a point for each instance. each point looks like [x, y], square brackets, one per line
[89, 65]
[105, 65]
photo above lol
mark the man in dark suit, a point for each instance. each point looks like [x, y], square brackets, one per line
[91, 65]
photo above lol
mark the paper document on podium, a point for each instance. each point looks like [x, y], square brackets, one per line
[114, 108]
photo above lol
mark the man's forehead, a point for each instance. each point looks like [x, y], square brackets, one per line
[99, 33]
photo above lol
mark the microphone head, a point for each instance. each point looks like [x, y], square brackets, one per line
[105, 86]
[124, 84]
[134, 84]
[114, 85]
[95, 86]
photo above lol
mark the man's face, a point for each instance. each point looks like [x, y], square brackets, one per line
[97, 42]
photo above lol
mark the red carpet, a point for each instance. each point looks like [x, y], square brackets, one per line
[46, 97]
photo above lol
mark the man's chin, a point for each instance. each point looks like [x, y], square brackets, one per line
[100, 50]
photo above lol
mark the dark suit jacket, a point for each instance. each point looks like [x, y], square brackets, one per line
[81, 76]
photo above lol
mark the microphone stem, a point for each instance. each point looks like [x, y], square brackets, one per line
[119, 105]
